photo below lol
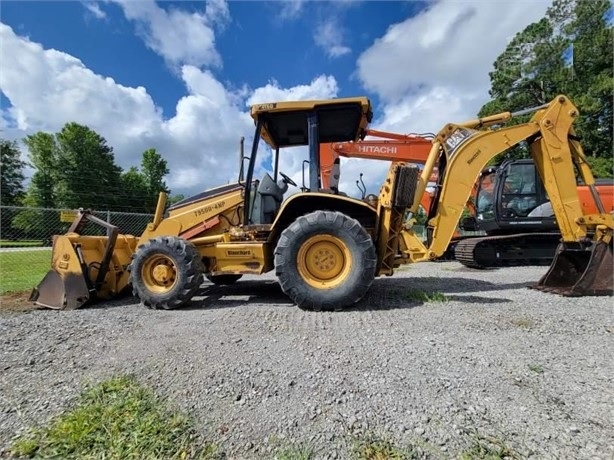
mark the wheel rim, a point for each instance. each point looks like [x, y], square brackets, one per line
[159, 274]
[324, 261]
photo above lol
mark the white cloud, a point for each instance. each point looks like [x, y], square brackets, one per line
[451, 44]
[433, 68]
[177, 35]
[320, 87]
[328, 35]
[289, 9]
[217, 12]
[95, 9]
[47, 88]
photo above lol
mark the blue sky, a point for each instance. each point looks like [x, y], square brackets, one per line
[179, 76]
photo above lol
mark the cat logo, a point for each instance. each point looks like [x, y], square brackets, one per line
[238, 252]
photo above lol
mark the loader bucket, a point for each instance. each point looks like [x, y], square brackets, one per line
[64, 287]
[580, 271]
[60, 293]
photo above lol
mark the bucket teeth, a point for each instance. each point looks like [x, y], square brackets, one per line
[580, 271]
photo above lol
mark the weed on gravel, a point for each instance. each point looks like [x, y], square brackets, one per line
[423, 296]
[537, 368]
[295, 452]
[488, 448]
[116, 419]
[379, 448]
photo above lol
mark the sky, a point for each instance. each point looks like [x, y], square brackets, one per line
[180, 76]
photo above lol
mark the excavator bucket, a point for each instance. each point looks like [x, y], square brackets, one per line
[578, 271]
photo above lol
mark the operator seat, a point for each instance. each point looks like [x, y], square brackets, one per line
[269, 196]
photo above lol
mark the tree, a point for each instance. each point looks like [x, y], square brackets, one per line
[154, 168]
[172, 199]
[43, 156]
[141, 187]
[88, 175]
[533, 69]
[11, 170]
[135, 194]
[75, 168]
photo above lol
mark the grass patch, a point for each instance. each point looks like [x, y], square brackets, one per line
[488, 448]
[295, 452]
[116, 419]
[523, 322]
[537, 368]
[20, 243]
[423, 296]
[22, 270]
[376, 448]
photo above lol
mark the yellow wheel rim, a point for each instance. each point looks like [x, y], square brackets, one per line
[159, 274]
[324, 261]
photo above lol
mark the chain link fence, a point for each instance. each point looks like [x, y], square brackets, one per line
[26, 236]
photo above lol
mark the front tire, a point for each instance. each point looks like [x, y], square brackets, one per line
[325, 260]
[166, 272]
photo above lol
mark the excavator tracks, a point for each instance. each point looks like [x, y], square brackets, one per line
[507, 250]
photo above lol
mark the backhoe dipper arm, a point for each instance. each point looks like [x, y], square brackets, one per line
[467, 151]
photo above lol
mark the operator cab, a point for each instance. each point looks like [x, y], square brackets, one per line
[511, 194]
[295, 124]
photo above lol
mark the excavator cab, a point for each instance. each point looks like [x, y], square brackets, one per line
[512, 196]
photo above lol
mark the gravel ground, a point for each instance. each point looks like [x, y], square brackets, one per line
[529, 370]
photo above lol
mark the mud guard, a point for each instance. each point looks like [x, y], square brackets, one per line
[579, 271]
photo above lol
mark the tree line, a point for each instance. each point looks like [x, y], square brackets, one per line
[569, 51]
[75, 168]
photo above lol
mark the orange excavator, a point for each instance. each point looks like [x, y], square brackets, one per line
[409, 148]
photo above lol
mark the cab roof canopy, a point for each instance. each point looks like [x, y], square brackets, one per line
[339, 120]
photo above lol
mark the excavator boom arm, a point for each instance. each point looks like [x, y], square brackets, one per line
[465, 152]
[388, 146]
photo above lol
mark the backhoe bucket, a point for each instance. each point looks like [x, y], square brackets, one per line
[64, 287]
[580, 271]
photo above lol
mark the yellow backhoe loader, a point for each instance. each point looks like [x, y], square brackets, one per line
[327, 248]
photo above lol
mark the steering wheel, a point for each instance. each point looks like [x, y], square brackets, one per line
[287, 180]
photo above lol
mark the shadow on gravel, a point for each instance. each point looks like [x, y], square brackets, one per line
[241, 293]
[385, 293]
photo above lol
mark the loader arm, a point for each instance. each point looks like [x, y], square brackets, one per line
[464, 152]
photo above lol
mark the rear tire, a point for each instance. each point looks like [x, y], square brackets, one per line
[223, 279]
[325, 260]
[166, 272]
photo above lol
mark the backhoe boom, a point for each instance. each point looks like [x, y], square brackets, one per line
[462, 152]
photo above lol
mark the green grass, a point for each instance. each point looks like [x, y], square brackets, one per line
[488, 448]
[116, 419]
[537, 368]
[423, 296]
[378, 448]
[523, 322]
[22, 270]
[295, 452]
[20, 243]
